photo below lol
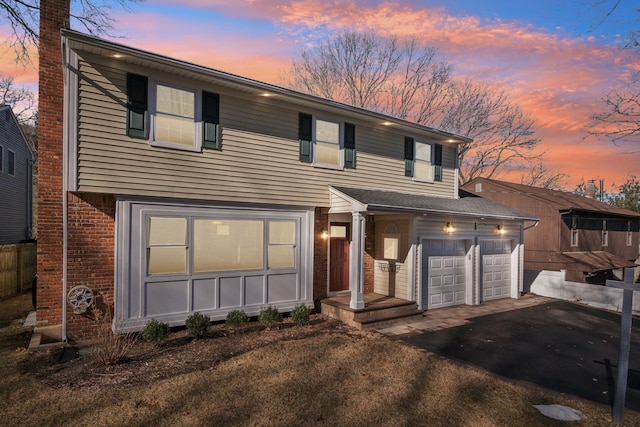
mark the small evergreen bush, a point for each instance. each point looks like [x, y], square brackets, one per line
[197, 324]
[155, 330]
[236, 318]
[300, 314]
[269, 317]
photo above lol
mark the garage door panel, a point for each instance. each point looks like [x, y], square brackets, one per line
[496, 276]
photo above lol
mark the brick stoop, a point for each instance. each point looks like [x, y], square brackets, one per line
[380, 311]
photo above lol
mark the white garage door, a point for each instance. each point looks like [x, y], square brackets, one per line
[496, 269]
[443, 264]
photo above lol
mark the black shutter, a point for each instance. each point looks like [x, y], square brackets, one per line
[408, 156]
[305, 137]
[137, 106]
[349, 146]
[211, 120]
[437, 161]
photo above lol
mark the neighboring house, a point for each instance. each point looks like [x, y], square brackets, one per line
[590, 240]
[190, 189]
[16, 180]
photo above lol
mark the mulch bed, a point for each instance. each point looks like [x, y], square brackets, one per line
[178, 354]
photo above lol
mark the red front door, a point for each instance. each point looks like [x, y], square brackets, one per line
[339, 257]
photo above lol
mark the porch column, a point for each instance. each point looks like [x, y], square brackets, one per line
[356, 266]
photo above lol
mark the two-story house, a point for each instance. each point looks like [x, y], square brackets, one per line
[590, 240]
[190, 189]
[16, 180]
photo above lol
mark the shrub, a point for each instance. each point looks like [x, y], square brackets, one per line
[197, 324]
[269, 317]
[155, 330]
[236, 318]
[300, 314]
[109, 347]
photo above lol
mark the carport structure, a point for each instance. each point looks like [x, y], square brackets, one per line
[433, 251]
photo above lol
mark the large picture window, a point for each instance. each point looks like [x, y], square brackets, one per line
[222, 245]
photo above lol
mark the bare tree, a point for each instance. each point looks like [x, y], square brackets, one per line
[408, 80]
[21, 100]
[402, 79]
[23, 16]
[539, 175]
[503, 135]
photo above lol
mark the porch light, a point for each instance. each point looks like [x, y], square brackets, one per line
[324, 234]
[449, 228]
[499, 229]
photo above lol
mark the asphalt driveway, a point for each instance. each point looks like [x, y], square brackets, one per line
[561, 346]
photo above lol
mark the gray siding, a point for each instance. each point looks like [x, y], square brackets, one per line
[15, 190]
[258, 162]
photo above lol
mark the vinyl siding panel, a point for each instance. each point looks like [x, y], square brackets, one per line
[15, 191]
[258, 162]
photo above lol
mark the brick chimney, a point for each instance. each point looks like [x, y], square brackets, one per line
[590, 189]
[53, 15]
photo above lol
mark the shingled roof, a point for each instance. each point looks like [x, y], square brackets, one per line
[467, 205]
[560, 200]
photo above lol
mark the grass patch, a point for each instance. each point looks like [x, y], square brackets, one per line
[323, 374]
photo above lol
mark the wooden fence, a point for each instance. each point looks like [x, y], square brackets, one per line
[17, 268]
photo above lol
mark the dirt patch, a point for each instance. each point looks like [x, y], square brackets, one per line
[147, 362]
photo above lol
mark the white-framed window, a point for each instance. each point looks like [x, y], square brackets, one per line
[11, 163]
[423, 162]
[327, 144]
[175, 114]
[166, 245]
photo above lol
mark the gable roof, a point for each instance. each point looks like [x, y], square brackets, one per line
[467, 205]
[6, 109]
[562, 201]
[75, 40]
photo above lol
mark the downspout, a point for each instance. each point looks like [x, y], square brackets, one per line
[531, 226]
[65, 207]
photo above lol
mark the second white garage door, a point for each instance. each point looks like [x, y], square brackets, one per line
[443, 263]
[496, 269]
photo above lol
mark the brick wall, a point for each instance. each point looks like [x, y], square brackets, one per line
[320, 255]
[53, 14]
[90, 257]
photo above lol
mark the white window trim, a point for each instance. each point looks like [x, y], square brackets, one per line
[197, 119]
[340, 144]
[574, 232]
[415, 160]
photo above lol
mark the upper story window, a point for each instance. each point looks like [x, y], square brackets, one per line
[327, 143]
[423, 161]
[175, 117]
[11, 162]
[172, 116]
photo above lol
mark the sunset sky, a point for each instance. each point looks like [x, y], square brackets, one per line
[555, 58]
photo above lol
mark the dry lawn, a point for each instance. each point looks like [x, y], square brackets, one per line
[323, 374]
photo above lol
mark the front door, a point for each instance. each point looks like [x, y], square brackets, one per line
[339, 257]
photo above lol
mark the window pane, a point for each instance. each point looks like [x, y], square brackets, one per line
[423, 170]
[167, 259]
[175, 129]
[167, 231]
[282, 256]
[339, 231]
[175, 101]
[327, 132]
[423, 152]
[328, 154]
[282, 232]
[221, 245]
